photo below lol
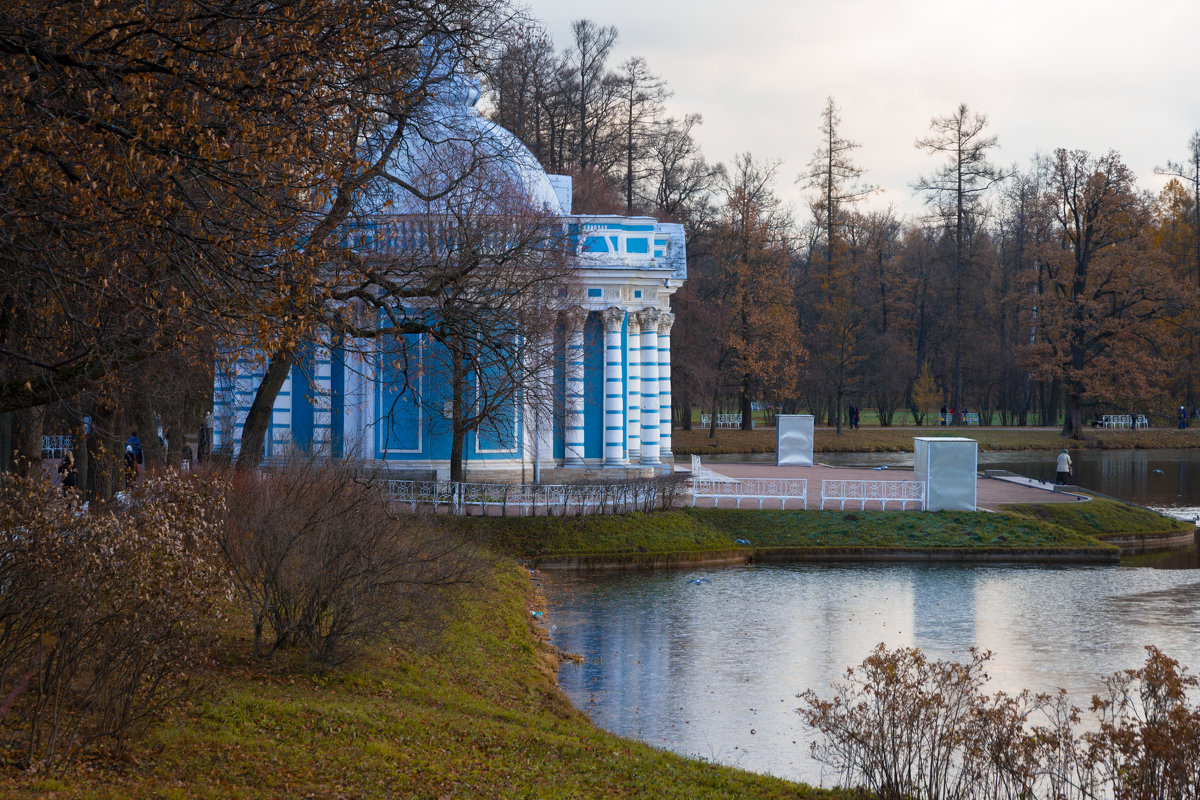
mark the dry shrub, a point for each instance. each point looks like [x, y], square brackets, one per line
[904, 726]
[320, 563]
[103, 615]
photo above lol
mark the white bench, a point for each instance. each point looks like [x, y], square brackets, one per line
[760, 489]
[1124, 421]
[723, 420]
[868, 491]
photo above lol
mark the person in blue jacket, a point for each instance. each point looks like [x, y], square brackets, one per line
[133, 456]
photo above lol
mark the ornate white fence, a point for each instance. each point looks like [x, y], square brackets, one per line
[760, 489]
[699, 470]
[560, 499]
[723, 420]
[867, 491]
[55, 446]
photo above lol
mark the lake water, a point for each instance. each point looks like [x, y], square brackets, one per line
[708, 663]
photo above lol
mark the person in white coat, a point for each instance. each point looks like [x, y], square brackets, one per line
[1064, 467]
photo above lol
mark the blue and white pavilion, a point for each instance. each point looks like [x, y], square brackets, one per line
[613, 379]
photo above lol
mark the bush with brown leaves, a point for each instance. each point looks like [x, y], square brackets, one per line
[104, 614]
[320, 563]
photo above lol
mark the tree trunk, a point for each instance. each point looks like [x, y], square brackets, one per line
[747, 406]
[258, 419]
[6, 427]
[105, 454]
[1072, 418]
[27, 440]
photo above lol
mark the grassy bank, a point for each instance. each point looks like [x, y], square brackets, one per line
[900, 440]
[1103, 517]
[475, 714]
[647, 538]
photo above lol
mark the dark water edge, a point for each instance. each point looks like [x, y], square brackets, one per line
[1175, 559]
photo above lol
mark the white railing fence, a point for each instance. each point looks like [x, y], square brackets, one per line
[542, 498]
[55, 446]
[760, 489]
[868, 491]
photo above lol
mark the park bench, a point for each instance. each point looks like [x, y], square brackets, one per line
[760, 489]
[723, 420]
[971, 418]
[1124, 421]
[870, 491]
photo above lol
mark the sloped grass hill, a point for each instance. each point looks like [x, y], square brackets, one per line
[475, 713]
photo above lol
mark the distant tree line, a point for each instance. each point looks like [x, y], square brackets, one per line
[1054, 291]
[154, 206]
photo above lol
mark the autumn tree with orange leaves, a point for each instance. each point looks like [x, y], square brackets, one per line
[177, 170]
[1105, 287]
[760, 350]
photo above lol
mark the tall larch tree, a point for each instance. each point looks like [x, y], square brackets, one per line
[956, 191]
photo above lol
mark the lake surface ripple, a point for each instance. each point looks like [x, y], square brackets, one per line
[708, 663]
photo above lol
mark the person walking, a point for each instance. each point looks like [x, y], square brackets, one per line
[67, 472]
[133, 456]
[1064, 467]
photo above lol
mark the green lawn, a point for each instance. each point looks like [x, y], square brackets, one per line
[475, 714]
[641, 537]
[474, 711]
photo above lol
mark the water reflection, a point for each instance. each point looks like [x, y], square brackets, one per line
[708, 662]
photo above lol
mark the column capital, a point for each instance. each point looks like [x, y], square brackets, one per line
[613, 317]
[648, 318]
[574, 318]
[665, 321]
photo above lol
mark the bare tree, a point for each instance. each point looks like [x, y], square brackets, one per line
[591, 90]
[836, 179]
[641, 100]
[683, 182]
[956, 191]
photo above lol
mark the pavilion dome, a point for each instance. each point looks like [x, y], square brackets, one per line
[451, 151]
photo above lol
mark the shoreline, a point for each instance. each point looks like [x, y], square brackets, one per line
[834, 555]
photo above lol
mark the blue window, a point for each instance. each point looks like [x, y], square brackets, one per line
[637, 245]
[595, 292]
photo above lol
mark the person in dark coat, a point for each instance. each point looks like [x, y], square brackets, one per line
[133, 456]
[68, 474]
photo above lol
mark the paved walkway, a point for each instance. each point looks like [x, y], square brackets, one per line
[991, 493]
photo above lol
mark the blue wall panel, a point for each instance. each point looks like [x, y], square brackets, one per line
[593, 387]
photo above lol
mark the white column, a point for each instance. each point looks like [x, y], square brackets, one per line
[664, 385]
[633, 418]
[614, 392]
[650, 415]
[573, 433]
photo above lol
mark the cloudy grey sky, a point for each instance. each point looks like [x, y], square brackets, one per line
[1090, 74]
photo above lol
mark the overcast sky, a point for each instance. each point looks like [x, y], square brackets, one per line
[1090, 74]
